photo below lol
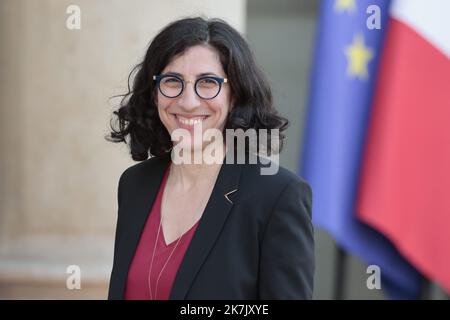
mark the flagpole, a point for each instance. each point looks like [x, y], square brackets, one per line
[425, 289]
[340, 273]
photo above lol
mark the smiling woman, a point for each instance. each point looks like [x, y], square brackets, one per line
[205, 231]
[190, 92]
[191, 50]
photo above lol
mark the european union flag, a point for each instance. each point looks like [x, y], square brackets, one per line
[344, 72]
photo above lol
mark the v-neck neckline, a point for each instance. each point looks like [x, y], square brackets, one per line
[163, 237]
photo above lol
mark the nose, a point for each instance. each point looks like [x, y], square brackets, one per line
[189, 99]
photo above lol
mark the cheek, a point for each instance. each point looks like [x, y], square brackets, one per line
[227, 105]
[162, 107]
[162, 104]
[221, 110]
[225, 108]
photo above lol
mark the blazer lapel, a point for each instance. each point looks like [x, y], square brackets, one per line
[139, 203]
[137, 208]
[208, 229]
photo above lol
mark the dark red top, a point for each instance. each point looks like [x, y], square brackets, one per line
[137, 286]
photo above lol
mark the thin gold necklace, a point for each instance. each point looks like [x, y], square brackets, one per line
[154, 248]
[165, 264]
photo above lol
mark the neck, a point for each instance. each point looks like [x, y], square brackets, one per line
[188, 176]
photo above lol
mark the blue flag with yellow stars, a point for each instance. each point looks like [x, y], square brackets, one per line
[347, 52]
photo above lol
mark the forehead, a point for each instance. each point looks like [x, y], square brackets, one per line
[196, 60]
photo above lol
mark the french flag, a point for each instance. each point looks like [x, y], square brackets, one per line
[404, 188]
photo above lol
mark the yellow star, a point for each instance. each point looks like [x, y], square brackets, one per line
[358, 56]
[345, 5]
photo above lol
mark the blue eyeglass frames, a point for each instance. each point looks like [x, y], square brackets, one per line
[172, 86]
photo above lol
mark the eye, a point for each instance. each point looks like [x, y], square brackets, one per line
[208, 82]
[171, 82]
[171, 79]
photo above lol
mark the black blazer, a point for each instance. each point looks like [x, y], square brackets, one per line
[257, 245]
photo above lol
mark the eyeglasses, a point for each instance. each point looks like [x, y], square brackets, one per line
[171, 86]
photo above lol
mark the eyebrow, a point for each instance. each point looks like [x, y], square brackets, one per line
[198, 76]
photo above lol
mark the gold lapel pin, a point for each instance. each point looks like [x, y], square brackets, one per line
[228, 193]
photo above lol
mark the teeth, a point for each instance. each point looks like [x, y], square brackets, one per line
[190, 122]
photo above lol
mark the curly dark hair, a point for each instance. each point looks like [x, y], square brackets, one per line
[137, 115]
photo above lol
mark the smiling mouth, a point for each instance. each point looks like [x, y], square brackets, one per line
[189, 122]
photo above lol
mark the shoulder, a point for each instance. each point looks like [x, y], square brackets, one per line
[280, 178]
[274, 188]
[143, 169]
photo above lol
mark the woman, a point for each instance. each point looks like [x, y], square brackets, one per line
[202, 230]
